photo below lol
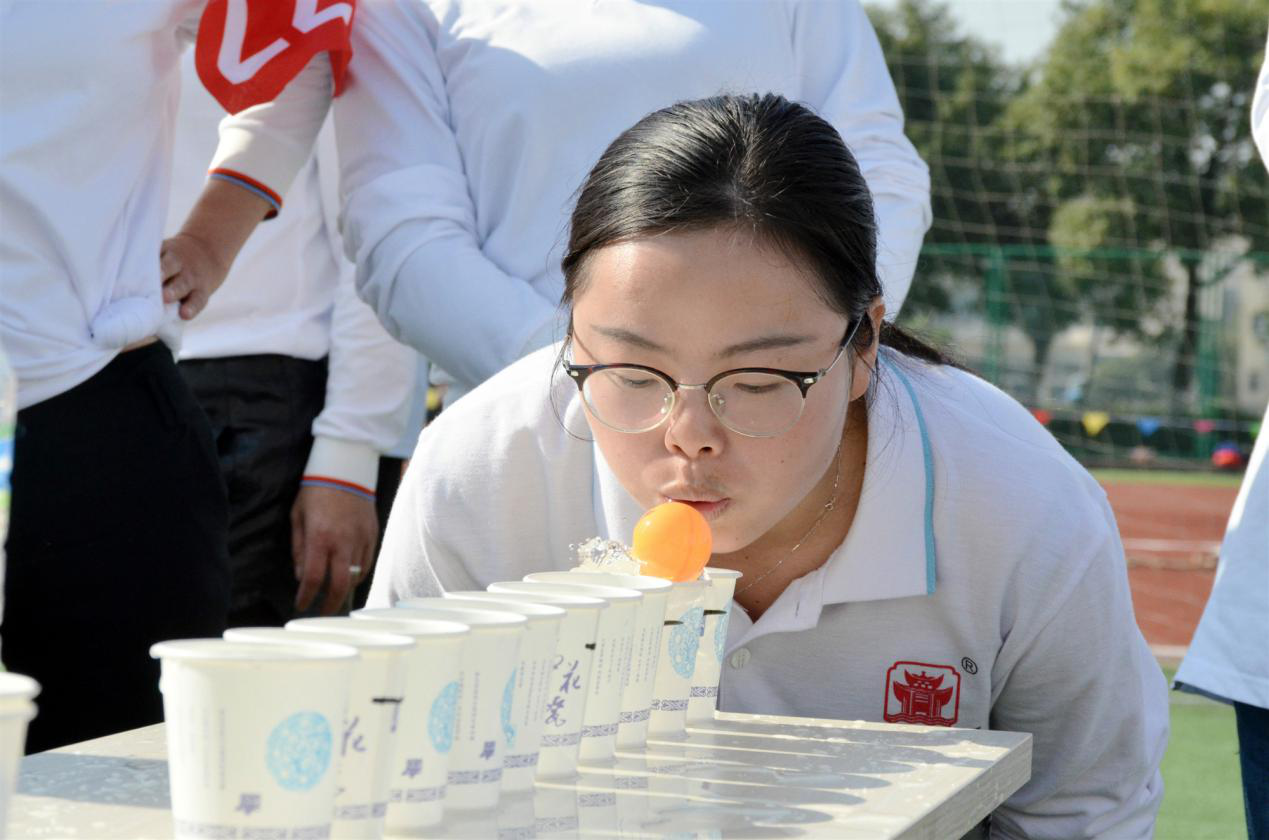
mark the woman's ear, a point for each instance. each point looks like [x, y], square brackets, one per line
[865, 365]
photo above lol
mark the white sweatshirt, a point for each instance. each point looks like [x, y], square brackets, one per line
[468, 125]
[981, 556]
[291, 292]
[1227, 655]
[88, 97]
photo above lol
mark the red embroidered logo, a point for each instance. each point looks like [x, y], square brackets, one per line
[917, 692]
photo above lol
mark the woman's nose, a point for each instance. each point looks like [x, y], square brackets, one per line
[693, 429]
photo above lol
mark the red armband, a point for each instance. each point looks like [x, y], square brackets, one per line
[247, 51]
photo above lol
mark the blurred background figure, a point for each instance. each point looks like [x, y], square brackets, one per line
[303, 388]
[1227, 659]
[117, 533]
[468, 125]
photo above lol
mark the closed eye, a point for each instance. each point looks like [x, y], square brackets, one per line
[635, 383]
[758, 389]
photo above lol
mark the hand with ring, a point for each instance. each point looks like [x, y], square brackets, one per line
[333, 535]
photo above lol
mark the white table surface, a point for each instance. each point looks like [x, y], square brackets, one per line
[742, 775]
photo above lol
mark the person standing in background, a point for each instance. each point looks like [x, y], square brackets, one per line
[117, 534]
[1226, 659]
[302, 386]
[468, 125]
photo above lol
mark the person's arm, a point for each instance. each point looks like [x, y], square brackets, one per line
[1260, 110]
[1075, 672]
[412, 563]
[369, 392]
[845, 79]
[261, 150]
[368, 396]
[409, 222]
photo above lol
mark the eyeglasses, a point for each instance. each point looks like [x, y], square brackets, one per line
[754, 402]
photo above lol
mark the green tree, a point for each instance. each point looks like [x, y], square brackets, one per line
[1137, 125]
[955, 92]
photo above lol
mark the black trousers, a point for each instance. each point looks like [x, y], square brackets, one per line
[117, 540]
[261, 409]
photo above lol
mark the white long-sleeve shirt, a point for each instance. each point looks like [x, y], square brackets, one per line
[468, 125]
[291, 292]
[981, 556]
[88, 97]
[1227, 656]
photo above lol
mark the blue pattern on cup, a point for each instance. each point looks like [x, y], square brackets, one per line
[685, 640]
[508, 693]
[298, 752]
[441, 720]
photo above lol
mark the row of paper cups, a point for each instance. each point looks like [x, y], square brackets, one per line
[392, 718]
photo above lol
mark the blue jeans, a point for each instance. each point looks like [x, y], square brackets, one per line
[1253, 752]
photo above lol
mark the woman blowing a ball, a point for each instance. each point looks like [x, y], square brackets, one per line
[915, 547]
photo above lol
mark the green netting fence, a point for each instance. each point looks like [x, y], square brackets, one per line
[1130, 356]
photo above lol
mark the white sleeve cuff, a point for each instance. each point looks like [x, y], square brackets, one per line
[343, 464]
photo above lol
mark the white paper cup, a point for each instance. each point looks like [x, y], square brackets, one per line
[365, 738]
[636, 699]
[679, 644]
[253, 735]
[425, 716]
[16, 710]
[610, 666]
[486, 697]
[565, 710]
[702, 698]
[533, 676]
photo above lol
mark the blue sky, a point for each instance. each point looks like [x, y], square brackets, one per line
[1022, 28]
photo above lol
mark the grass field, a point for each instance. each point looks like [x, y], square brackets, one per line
[1202, 796]
[1172, 477]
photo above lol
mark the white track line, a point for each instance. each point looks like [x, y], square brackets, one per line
[1173, 546]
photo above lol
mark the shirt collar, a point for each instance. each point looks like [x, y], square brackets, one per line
[890, 551]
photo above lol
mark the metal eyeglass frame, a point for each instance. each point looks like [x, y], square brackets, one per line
[803, 379]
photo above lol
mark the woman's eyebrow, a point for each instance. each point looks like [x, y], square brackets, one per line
[627, 337]
[766, 342]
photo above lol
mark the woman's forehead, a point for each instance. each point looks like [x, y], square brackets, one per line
[699, 279]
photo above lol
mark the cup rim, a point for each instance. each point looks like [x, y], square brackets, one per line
[722, 574]
[472, 618]
[224, 650]
[609, 593]
[17, 686]
[543, 591]
[535, 613]
[368, 640]
[418, 629]
[639, 583]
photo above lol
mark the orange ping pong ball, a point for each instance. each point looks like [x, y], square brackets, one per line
[672, 541]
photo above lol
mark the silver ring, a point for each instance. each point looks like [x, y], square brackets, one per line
[354, 570]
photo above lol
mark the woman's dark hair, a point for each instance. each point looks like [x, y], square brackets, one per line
[757, 163]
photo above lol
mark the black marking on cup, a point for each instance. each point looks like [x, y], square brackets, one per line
[672, 623]
[590, 645]
[386, 699]
[715, 612]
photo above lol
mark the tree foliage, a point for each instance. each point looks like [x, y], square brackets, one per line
[1137, 121]
[1129, 137]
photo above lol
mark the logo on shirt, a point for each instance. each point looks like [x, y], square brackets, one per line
[918, 692]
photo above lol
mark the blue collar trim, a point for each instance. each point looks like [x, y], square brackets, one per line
[927, 455]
